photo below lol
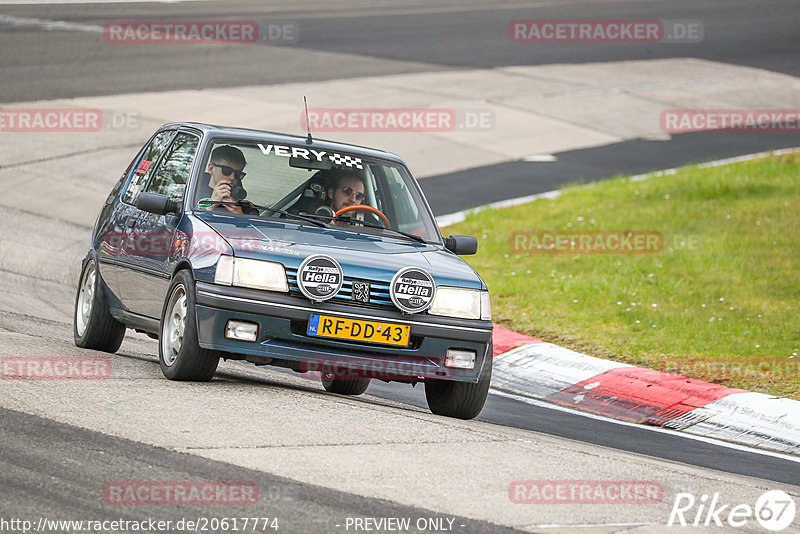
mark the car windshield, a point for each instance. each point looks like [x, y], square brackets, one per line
[361, 193]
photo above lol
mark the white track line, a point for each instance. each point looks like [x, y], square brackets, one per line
[712, 441]
[51, 25]
[55, 2]
[590, 525]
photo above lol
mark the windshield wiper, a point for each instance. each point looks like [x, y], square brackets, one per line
[248, 204]
[307, 217]
[348, 219]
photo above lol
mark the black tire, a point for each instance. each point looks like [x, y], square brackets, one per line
[180, 355]
[461, 400]
[93, 327]
[344, 386]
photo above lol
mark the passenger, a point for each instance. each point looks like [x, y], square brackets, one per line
[225, 171]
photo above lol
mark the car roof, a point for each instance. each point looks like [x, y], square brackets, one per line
[231, 132]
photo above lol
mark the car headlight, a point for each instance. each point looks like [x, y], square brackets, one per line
[460, 302]
[486, 306]
[256, 274]
[224, 273]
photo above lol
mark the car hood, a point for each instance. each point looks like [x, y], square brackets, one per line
[363, 256]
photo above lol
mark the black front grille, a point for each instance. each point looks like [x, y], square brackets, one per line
[378, 292]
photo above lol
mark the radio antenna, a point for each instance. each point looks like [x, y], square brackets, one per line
[309, 140]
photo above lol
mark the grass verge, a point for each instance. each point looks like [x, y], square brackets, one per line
[716, 298]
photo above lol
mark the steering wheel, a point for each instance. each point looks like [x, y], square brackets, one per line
[364, 207]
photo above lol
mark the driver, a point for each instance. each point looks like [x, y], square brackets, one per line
[346, 189]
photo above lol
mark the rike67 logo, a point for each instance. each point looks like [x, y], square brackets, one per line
[774, 510]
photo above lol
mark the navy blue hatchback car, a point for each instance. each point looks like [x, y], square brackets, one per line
[288, 251]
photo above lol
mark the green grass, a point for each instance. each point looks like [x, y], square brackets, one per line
[722, 296]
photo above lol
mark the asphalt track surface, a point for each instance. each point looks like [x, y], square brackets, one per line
[359, 37]
[353, 38]
[47, 465]
[68, 481]
[673, 446]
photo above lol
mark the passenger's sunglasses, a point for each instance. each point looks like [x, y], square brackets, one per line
[227, 171]
[349, 191]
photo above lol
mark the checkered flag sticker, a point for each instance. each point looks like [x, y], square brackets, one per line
[350, 161]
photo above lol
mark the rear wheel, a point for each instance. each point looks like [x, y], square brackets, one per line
[344, 386]
[94, 327]
[179, 352]
[461, 400]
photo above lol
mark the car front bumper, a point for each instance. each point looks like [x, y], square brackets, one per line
[283, 319]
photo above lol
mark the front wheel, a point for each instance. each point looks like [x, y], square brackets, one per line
[179, 352]
[461, 400]
[94, 327]
[344, 386]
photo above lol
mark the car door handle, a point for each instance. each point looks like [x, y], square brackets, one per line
[130, 222]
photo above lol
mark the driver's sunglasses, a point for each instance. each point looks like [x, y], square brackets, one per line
[349, 191]
[227, 171]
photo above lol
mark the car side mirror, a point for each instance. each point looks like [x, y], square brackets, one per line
[158, 204]
[463, 245]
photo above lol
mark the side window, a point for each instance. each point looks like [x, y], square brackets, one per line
[404, 206]
[173, 172]
[145, 166]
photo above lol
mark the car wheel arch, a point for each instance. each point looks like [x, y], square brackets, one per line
[92, 255]
[183, 265]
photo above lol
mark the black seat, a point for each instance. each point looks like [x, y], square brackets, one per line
[315, 193]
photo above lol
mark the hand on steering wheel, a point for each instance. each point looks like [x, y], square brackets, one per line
[364, 207]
